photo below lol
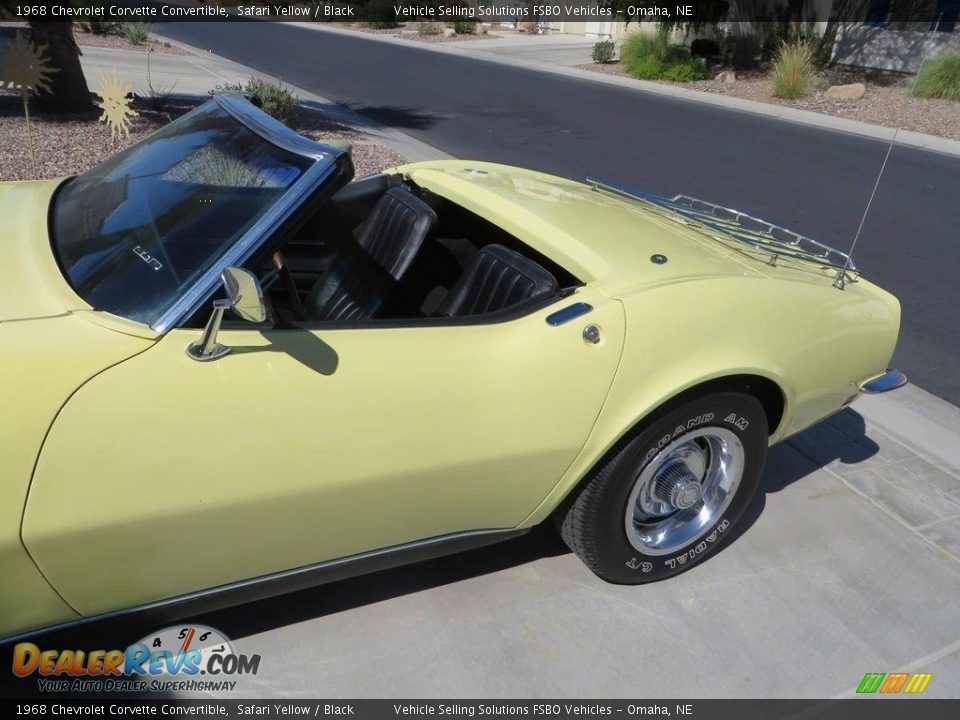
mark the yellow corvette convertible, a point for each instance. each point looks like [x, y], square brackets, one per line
[228, 371]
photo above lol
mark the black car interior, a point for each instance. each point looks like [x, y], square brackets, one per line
[384, 250]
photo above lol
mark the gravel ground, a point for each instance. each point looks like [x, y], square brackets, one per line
[84, 39]
[67, 145]
[362, 27]
[119, 42]
[882, 104]
[441, 38]
[438, 38]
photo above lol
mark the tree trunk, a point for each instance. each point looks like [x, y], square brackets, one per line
[68, 87]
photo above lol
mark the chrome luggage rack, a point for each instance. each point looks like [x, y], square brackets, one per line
[762, 235]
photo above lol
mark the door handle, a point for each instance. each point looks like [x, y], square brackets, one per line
[568, 313]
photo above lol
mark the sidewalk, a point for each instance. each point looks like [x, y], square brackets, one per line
[555, 54]
[555, 50]
[847, 562]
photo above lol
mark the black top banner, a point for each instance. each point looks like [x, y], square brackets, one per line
[899, 14]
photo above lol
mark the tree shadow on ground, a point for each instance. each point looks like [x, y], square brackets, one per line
[396, 116]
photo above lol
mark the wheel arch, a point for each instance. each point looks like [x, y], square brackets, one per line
[768, 392]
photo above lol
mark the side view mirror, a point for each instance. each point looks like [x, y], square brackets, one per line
[244, 297]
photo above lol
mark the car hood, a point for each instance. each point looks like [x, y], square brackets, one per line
[31, 284]
[601, 238]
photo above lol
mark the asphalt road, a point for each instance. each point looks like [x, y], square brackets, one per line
[814, 181]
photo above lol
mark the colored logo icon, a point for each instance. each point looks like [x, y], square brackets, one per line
[900, 682]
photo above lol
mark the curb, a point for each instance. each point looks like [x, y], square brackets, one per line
[905, 138]
[412, 149]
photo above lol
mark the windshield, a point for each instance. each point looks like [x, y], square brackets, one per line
[134, 233]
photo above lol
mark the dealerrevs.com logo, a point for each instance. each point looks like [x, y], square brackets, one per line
[177, 658]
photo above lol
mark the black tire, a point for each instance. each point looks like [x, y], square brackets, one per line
[593, 522]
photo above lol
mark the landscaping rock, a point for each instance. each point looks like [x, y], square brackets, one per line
[449, 32]
[727, 76]
[853, 91]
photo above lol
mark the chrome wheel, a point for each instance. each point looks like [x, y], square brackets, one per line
[684, 490]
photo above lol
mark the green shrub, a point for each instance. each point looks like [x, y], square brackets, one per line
[940, 78]
[647, 68]
[463, 27]
[429, 28]
[686, 70]
[740, 52]
[650, 57]
[603, 51]
[640, 45]
[136, 33]
[272, 98]
[793, 70]
[644, 55]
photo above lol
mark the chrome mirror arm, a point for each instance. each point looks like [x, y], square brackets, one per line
[207, 347]
[244, 297]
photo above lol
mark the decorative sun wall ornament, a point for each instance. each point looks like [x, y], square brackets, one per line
[25, 68]
[115, 101]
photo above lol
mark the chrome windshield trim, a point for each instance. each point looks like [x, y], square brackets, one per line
[271, 130]
[890, 380]
[240, 251]
[276, 133]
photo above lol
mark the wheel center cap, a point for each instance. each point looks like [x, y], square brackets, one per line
[686, 496]
[676, 485]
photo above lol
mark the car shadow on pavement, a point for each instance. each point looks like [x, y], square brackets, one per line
[839, 438]
[282, 610]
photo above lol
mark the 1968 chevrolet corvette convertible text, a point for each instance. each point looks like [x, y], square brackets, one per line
[229, 371]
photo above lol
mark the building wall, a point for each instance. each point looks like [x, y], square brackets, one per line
[887, 49]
